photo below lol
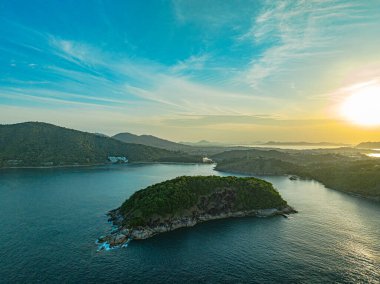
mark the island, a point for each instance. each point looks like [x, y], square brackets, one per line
[188, 200]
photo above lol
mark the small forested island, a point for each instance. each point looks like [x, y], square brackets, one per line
[186, 201]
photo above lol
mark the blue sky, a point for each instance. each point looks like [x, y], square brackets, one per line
[235, 71]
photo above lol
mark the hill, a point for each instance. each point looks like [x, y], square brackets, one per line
[32, 144]
[186, 201]
[202, 148]
[251, 153]
[352, 174]
[152, 141]
[369, 145]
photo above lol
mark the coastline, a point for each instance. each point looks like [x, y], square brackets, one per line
[373, 198]
[53, 167]
[121, 236]
[368, 197]
[99, 164]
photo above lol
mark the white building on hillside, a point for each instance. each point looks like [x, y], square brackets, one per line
[117, 160]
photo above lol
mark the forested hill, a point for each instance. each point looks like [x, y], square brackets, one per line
[40, 144]
[353, 174]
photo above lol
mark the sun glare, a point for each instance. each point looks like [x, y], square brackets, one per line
[362, 107]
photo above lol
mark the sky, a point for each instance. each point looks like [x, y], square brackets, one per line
[230, 71]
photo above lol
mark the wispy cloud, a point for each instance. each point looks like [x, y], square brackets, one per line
[238, 120]
[206, 63]
[194, 62]
[297, 32]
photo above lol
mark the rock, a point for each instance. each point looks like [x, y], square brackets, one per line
[118, 240]
[289, 210]
[102, 239]
[267, 212]
[121, 236]
[124, 232]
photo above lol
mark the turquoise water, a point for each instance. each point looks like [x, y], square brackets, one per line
[50, 219]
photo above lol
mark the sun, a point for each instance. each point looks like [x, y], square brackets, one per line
[362, 106]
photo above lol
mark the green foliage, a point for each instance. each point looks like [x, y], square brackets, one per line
[356, 174]
[41, 144]
[259, 166]
[183, 194]
[360, 177]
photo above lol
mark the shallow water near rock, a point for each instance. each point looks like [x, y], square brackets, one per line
[50, 219]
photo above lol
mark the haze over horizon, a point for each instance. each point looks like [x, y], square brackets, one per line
[190, 70]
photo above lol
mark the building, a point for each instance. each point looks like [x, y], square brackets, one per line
[207, 160]
[117, 160]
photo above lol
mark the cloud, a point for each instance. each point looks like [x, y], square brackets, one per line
[196, 98]
[241, 60]
[192, 63]
[241, 120]
[88, 76]
[211, 14]
[167, 86]
[297, 32]
[74, 51]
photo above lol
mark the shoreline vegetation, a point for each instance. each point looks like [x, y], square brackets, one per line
[36, 145]
[101, 164]
[354, 174]
[188, 200]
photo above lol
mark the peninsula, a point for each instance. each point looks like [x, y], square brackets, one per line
[186, 201]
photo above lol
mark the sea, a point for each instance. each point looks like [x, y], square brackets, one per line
[50, 220]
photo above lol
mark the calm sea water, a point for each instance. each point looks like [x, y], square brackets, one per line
[375, 154]
[294, 147]
[50, 219]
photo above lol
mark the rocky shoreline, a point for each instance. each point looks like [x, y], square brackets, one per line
[120, 236]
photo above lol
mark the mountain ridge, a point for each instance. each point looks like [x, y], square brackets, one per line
[36, 144]
[150, 140]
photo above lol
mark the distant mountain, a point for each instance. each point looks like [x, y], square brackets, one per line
[369, 145]
[205, 143]
[203, 147]
[152, 141]
[40, 144]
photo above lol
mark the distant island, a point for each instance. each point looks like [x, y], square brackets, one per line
[186, 201]
[37, 144]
